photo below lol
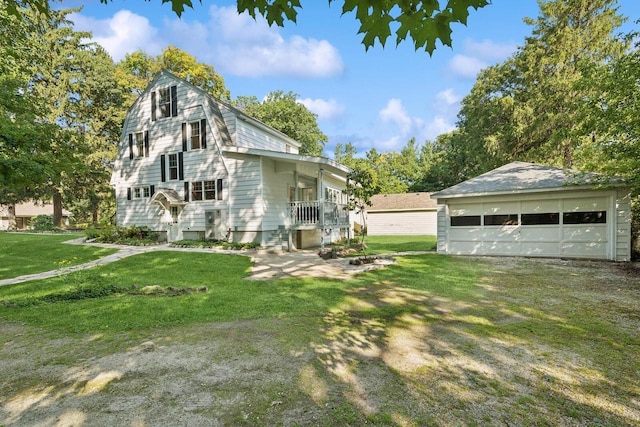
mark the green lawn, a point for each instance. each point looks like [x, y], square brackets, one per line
[24, 253]
[431, 340]
[388, 244]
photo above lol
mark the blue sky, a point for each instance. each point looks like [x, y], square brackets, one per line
[378, 98]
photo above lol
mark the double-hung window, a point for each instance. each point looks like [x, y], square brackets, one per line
[139, 137]
[206, 190]
[173, 166]
[167, 102]
[195, 135]
[209, 190]
[164, 102]
[196, 190]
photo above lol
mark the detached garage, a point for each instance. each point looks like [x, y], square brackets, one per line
[524, 209]
[402, 214]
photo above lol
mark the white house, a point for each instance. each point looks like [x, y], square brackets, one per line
[524, 209]
[190, 167]
[402, 214]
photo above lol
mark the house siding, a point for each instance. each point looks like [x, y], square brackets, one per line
[255, 193]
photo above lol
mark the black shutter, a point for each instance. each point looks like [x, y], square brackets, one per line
[146, 143]
[174, 101]
[203, 133]
[152, 190]
[184, 137]
[180, 166]
[153, 105]
[186, 191]
[130, 146]
[219, 189]
[129, 193]
[163, 169]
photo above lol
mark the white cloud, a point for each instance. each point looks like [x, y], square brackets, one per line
[448, 97]
[395, 112]
[123, 33]
[234, 44]
[478, 55]
[250, 48]
[466, 66]
[326, 110]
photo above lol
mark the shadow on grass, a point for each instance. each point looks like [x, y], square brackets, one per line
[436, 340]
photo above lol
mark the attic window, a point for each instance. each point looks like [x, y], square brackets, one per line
[167, 102]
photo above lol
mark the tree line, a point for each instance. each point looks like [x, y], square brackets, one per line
[569, 96]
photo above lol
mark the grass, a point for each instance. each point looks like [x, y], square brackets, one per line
[33, 253]
[431, 340]
[377, 245]
[228, 297]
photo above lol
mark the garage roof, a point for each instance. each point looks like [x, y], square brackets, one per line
[517, 177]
[402, 202]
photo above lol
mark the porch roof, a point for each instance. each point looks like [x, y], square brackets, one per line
[326, 163]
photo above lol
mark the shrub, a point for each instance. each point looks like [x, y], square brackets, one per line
[42, 223]
[133, 235]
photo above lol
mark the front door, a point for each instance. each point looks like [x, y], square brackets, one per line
[174, 232]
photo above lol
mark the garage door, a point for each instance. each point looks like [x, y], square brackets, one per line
[572, 227]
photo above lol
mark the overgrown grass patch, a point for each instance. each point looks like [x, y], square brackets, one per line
[24, 253]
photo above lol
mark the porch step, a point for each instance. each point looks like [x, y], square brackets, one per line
[278, 240]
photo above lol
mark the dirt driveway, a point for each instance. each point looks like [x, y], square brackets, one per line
[332, 370]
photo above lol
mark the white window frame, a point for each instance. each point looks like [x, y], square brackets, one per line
[195, 137]
[164, 102]
[139, 143]
[141, 192]
[173, 164]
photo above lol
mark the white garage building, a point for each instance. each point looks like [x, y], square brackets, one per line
[524, 209]
[402, 214]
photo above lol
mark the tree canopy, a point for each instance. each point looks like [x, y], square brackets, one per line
[423, 22]
[137, 70]
[282, 112]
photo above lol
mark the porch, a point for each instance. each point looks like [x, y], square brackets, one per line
[318, 214]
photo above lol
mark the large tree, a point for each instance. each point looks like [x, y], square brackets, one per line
[424, 22]
[282, 112]
[137, 70]
[24, 137]
[529, 107]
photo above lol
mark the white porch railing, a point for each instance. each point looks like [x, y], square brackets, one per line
[318, 213]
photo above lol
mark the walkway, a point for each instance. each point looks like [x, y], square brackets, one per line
[266, 265]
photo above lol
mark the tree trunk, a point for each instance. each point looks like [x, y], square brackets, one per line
[94, 218]
[12, 217]
[57, 208]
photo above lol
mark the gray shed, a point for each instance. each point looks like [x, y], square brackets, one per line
[524, 209]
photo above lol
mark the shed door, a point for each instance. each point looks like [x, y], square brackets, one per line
[572, 227]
